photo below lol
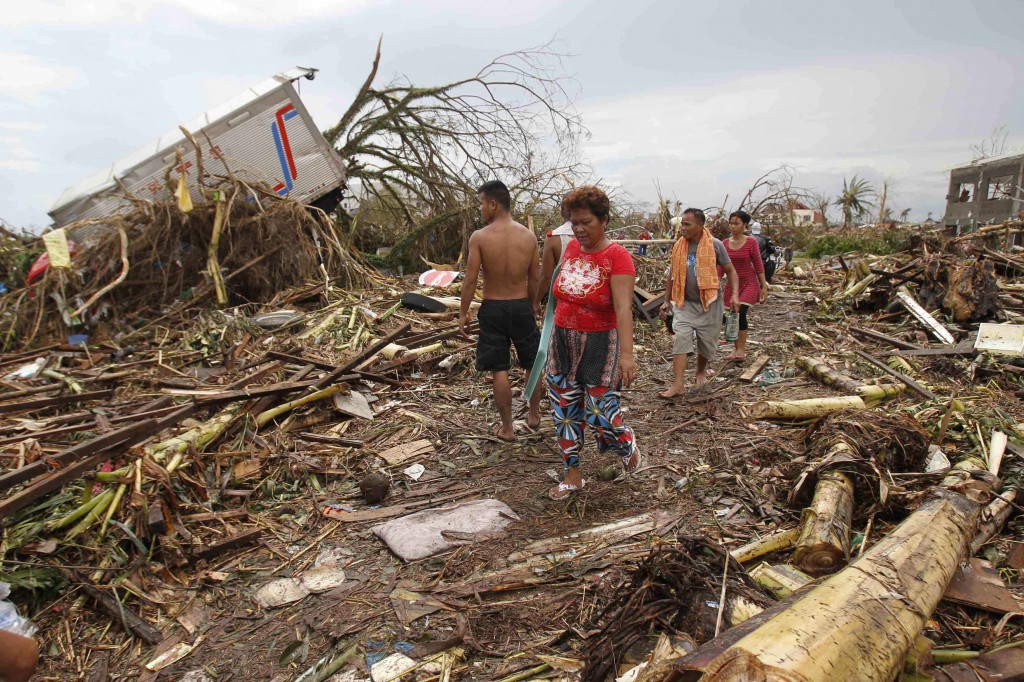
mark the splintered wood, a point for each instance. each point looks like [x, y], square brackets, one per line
[400, 454]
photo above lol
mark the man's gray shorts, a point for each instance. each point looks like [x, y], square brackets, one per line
[691, 318]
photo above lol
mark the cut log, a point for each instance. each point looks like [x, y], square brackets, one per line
[824, 543]
[859, 624]
[810, 408]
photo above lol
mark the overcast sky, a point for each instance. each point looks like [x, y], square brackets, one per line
[700, 96]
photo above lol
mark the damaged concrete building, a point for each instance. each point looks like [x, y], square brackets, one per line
[985, 191]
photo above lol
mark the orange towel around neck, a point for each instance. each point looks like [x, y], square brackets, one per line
[707, 271]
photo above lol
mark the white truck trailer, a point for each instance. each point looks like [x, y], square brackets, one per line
[263, 135]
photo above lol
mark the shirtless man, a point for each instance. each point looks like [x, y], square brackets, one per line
[508, 255]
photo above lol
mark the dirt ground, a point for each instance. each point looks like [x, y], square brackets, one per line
[705, 465]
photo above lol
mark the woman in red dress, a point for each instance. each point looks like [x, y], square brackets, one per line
[746, 257]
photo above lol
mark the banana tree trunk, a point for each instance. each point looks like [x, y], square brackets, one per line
[828, 375]
[824, 544]
[810, 408]
[860, 623]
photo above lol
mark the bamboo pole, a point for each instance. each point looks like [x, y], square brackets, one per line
[212, 261]
[766, 545]
[860, 623]
[264, 417]
[810, 408]
[824, 543]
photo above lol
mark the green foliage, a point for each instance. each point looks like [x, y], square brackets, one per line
[879, 243]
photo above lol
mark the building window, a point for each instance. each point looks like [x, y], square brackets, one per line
[963, 192]
[1000, 188]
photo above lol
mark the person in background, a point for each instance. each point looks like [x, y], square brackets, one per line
[787, 242]
[745, 254]
[693, 298]
[590, 358]
[507, 253]
[642, 250]
[554, 244]
[767, 249]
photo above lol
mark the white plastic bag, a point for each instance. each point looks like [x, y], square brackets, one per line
[9, 618]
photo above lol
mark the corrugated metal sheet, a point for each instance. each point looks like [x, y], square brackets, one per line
[263, 135]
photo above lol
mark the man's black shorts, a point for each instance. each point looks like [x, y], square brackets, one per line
[503, 323]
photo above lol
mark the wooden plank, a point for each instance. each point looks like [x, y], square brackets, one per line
[963, 349]
[400, 454]
[899, 375]
[61, 459]
[755, 368]
[234, 542]
[55, 481]
[331, 440]
[421, 340]
[389, 512]
[265, 391]
[884, 338]
[31, 405]
[86, 425]
[58, 479]
[205, 517]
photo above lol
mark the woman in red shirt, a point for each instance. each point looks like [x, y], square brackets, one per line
[745, 253]
[591, 353]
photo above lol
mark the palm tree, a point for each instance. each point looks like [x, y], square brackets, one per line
[904, 214]
[854, 199]
[820, 203]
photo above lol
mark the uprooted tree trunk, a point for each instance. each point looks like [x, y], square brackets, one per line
[859, 623]
[968, 291]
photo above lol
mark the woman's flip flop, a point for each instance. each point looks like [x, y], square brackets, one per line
[564, 490]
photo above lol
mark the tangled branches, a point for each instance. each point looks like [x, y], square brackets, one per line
[675, 590]
[154, 255]
[421, 152]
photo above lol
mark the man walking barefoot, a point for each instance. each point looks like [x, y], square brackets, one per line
[508, 255]
[694, 299]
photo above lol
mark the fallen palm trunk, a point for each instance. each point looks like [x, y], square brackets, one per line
[810, 408]
[993, 518]
[860, 623]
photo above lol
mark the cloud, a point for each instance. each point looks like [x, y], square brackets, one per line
[882, 114]
[27, 78]
[264, 12]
